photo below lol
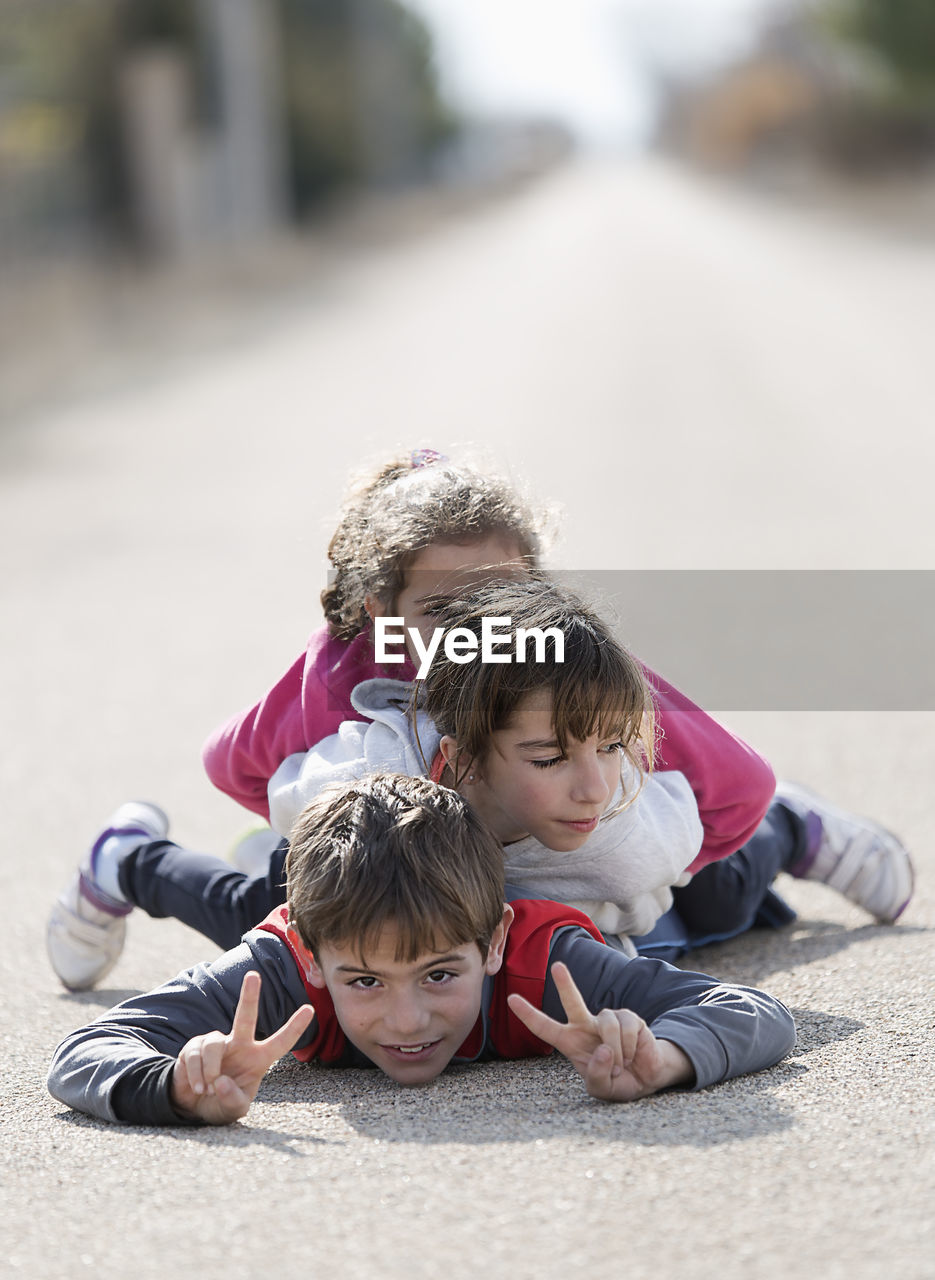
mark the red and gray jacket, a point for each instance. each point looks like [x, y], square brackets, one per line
[119, 1067]
[497, 1032]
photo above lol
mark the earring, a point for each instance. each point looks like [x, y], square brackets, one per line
[470, 777]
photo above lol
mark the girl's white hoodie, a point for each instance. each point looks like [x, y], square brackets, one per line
[622, 876]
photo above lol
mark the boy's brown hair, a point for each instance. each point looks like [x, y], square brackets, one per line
[406, 505]
[389, 849]
[598, 688]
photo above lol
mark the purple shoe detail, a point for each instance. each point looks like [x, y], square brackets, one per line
[813, 833]
[896, 914]
[90, 889]
[861, 860]
[105, 835]
[101, 900]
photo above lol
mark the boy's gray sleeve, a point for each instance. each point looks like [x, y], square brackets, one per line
[725, 1030]
[143, 1036]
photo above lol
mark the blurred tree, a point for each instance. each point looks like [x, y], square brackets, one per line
[359, 94]
[885, 117]
[362, 99]
[899, 32]
[65, 58]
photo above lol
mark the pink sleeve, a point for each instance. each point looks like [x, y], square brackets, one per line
[732, 784]
[307, 704]
[242, 755]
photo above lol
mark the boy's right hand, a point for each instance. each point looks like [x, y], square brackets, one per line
[216, 1076]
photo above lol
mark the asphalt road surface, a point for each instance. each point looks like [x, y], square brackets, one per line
[703, 382]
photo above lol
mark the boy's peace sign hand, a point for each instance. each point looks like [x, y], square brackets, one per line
[216, 1076]
[614, 1051]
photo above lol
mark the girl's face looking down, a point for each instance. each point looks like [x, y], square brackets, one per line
[447, 567]
[527, 786]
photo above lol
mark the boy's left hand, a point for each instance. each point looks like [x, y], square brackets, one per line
[614, 1051]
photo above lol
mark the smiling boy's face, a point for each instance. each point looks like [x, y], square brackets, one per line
[408, 1017]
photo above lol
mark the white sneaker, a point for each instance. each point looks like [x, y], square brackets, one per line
[252, 851]
[864, 862]
[87, 927]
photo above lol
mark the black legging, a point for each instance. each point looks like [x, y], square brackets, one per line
[210, 895]
[725, 897]
[206, 893]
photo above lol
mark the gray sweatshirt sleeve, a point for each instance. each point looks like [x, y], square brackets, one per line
[724, 1030]
[142, 1036]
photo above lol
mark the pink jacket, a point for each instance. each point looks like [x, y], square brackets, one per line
[732, 784]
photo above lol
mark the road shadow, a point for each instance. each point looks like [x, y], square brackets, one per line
[241, 1134]
[755, 955]
[815, 1028]
[100, 997]
[536, 1100]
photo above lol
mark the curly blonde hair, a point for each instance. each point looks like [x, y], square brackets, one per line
[406, 505]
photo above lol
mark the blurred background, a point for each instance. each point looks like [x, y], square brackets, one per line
[217, 149]
[666, 263]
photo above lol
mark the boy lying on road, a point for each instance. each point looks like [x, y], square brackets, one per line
[396, 950]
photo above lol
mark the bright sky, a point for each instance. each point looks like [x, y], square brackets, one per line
[584, 60]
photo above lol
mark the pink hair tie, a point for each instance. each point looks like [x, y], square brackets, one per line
[425, 457]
